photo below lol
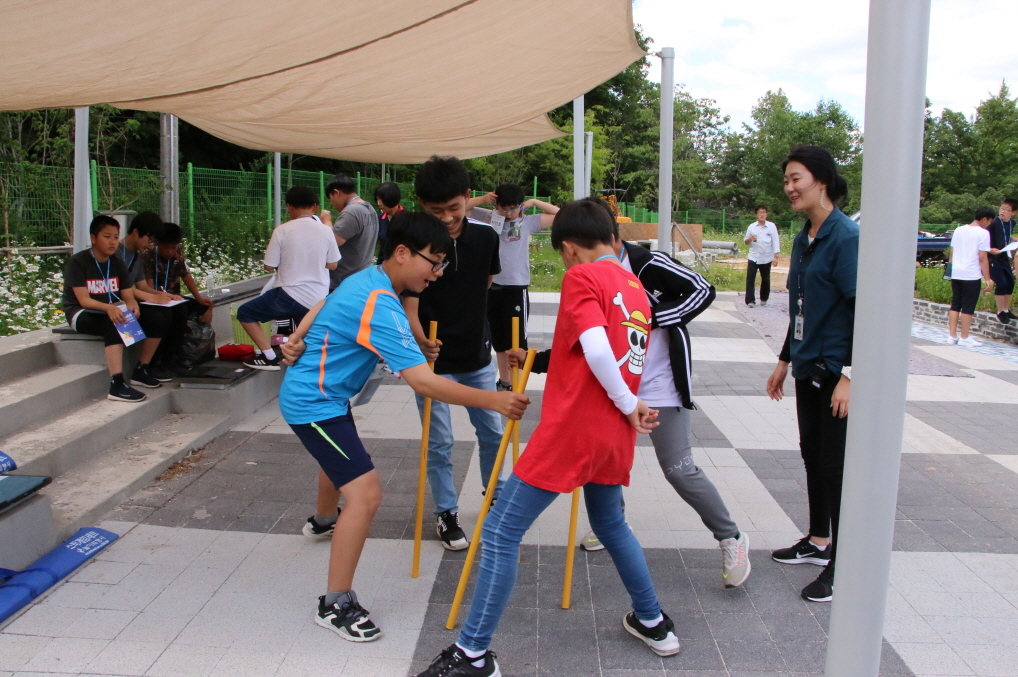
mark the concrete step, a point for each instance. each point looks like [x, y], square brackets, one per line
[25, 354]
[82, 495]
[47, 394]
[69, 437]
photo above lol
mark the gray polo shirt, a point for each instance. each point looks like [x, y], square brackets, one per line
[358, 225]
[135, 262]
[513, 247]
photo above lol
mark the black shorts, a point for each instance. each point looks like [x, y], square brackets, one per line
[965, 295]
[1003, 278]
[336, 446]
[95, 323]
[505, 303]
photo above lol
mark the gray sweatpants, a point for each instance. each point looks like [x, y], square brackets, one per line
[673, 445]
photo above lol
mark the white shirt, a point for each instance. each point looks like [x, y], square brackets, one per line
[299, 250]
[767, 243]
[657, 386]
[966, 243]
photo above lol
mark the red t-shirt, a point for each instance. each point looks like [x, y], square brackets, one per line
[582, 436]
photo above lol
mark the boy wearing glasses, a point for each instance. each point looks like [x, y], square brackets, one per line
[508, 297]
[458, 301]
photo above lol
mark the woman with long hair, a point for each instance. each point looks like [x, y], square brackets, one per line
[818, 346]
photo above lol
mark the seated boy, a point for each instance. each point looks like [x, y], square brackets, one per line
[165, 269]
[95, 296]
[344, 336]
[586, 438]
[302, 251]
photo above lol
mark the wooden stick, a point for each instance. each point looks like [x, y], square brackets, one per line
[516, 377]
[489, 494]
[422, 472]
[567, 585]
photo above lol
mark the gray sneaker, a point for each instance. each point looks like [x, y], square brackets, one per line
[735, 566]
[591, 542]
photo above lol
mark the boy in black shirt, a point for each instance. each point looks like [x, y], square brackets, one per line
[1001, 270]
[462, 353]
[96, 292]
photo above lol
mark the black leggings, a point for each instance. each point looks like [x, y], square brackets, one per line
[822, 441]
[765, 281]
[95, 323]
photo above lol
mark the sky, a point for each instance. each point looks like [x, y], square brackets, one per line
[733, 51]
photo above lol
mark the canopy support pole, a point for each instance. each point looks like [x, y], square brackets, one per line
[892, 165]
[277, 188]
[664, 191]
[578, 191]
[588, 162]
[82, 182]
[169, 168]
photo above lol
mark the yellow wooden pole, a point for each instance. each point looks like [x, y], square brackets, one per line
[567, 585]
[489, 494]
[422, 471]
[516, 377]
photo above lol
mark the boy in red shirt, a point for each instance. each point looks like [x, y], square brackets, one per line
[586, 437]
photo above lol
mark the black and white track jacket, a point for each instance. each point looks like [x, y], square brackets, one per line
[677, 294]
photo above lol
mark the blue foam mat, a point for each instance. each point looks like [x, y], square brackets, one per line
[24, 586]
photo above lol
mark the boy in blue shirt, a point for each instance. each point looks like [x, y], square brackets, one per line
[344, 336]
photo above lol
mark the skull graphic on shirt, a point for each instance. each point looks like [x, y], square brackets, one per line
[638, 331]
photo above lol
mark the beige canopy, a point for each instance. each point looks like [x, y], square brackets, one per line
[385, 81]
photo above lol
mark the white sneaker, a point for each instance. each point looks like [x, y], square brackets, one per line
[591, 542]
[735, 566]
[969, 342]
[952, 340]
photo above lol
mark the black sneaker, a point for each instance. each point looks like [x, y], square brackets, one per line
[1005, 316]
[317, 532]
[349, 620]
[822, 589]
[452, 662]
[503, 386]
[449, 531]
[803, 552]
[142, 378]
[125, 393]
[263, 363]
[160, 374]
[661, 638]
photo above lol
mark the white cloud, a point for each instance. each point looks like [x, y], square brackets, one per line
[735, 50]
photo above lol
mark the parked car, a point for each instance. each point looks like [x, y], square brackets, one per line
[929, 246]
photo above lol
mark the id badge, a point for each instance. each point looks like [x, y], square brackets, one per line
[798, 327]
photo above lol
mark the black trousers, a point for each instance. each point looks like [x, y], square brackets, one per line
[765, 281]
[169, 325]
[822, 442]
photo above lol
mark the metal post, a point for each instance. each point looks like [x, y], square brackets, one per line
[383, 173]
[578, 148]
[190, 199]
[169, 170]
[588, 162]
[664, 190]
[892, 164]
[82, 182]
[277, 187]
[358, 183]
[93, 175]
[321, 189]
[268, 193]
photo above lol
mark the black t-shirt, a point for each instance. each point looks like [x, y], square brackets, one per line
[103, 280]
[458, 301]
[1000, 237]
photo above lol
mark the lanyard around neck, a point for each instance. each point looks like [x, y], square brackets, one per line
[166, 279]
[606, 256]
[106, 278]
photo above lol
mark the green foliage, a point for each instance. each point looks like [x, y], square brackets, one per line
[546, 268]
[930, 285]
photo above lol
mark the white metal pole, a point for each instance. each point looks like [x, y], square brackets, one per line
[664, 198]
[588, 162]
[578, 191]
[892, 165]
[175, 169]
[277, 187]
[169, 200]
[82, 214]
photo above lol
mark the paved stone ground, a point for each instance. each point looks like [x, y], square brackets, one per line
[211, 576]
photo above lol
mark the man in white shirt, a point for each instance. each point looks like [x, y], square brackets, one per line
[970, 246]
[301, 252]
[764, 244]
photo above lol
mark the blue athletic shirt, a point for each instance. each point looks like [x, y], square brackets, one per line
[361, 321]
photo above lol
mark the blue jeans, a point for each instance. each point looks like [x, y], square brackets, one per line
[517, 508]
[487, 424]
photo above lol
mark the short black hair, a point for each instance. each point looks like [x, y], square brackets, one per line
[172, 233]
[389, 194]
[301, 197]
[582, 222]
[822, 166]
[342, 183]
[441, 179]
[759, 207]
[603, 204]
[508, 195]
[100, 222]
[416, 230]
[1010, 201]
[146, 223]
[985, 213]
